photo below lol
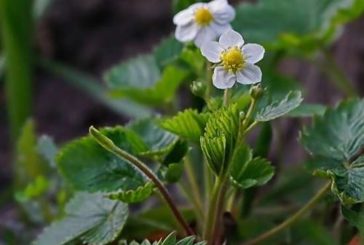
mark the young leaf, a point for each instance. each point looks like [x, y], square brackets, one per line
[156, 140]
[188, 124]
[336, 139]
[89, 167]
[133, 196]
[278, 108]
[220, 136]
[247, 171]
[91, 218]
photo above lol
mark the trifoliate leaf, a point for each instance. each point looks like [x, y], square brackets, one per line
[91, 218]
[268, 111]
[299, 25]
[336, 141]
[167, 51]
[247, 171]
[219, 138]
[157, 140]
[188, 124]
[89, 167]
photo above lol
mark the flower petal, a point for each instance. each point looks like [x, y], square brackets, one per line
[183, 17]
[204, 35]
[219, 28]
[253, 52]
[221, 10]
[187, 32]
[250, 74]
[211, 51]
[231, 38]
[223, 79]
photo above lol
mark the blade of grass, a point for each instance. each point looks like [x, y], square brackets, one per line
[16, 34]
[91, 86]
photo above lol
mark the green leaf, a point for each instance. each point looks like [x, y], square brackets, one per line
[188, 124]
[172, 173]
[89, 167]
[141, 76]
[308, 110]
[177, 153]
[92, 218]
[277, 108]
[219, 138]
[48, 149]
[157, 141]
[336, 141]
[299, 25]
[247, 171]
[35, 189]
[167, 51]
[133, 196]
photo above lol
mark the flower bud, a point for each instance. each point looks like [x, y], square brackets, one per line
[198, 89]
[256, 91]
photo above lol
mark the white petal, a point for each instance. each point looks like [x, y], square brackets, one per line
[187, 32]
[223, 79]
[183, 17]
[220, 29]
[212, 50]
[204, 35]
[198, 5]
[231, 38]
[253, 52]
[221, 10]
[250, 74]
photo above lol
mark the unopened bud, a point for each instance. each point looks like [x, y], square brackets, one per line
[198, 89]
[256, 91]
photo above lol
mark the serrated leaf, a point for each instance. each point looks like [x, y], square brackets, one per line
[91, 218]
[299, 25]
[167, 51]
[247, 171]
[89, 167]
[133, 196]
[219, 138]
[336, 141]
[188, 124]
[157, 140]
[277, 108]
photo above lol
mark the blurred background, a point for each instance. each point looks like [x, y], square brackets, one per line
[93, 35]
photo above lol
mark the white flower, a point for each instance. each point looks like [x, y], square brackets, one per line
[203, 21]
[235, 61]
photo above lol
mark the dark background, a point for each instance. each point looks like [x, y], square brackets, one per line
[92, 35]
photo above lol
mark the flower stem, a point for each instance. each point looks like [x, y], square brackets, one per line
[211, 232]
[109, 145]
[295, 217]
[226, 97]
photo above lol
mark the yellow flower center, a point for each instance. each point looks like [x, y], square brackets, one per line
[203, 16]
[232, 59]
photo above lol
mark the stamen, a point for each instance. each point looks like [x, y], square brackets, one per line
[232, 59]
[203, 16]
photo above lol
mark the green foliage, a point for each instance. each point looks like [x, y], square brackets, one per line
[156, 140]
[336, 141]
[219, 139]
[308, 110]
[247, 171]
[171, 239]
[133, 196]
[300, 26]
[270, 110]
[90, 218]
[354, 217]
[167, 51]
[188, 124]
[88, 167]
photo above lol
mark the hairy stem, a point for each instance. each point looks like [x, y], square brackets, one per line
[211, 232]
[110, 146]
[226, 97]
[295, 217]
